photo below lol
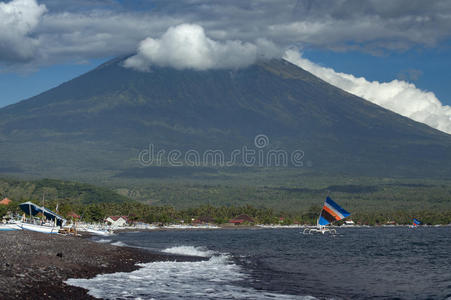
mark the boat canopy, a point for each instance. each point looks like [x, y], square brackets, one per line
[33, 209]
[416, 222]
[331, 212]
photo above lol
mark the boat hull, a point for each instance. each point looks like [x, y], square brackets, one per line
[321, 230]
[9, 227]
[38, 228]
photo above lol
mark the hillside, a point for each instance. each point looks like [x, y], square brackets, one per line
[94, 126]
[57, 191]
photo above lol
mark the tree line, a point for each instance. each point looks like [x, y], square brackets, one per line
[141, 212]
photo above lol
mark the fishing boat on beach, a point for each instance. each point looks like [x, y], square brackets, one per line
[9, 227]
[330, 213]
[52, 223]
[96, 230]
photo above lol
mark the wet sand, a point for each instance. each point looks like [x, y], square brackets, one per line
[35, 265]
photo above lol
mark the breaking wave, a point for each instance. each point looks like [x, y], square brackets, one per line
[104, 241]
[215, 278]
[119, 244]
[189, 251]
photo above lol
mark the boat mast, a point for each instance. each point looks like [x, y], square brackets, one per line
[317, 221]
[29, 210]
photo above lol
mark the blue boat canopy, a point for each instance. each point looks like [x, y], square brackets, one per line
[33, 209]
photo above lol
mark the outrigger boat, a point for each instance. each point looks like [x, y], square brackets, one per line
[331, 212]
[415, 223]
[9, 227]
[53, 224]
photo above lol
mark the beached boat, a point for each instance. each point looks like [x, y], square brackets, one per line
[96, 229]
[104, 232]
[9, 227]
[47, 228]
[54, 224]
[330, 213]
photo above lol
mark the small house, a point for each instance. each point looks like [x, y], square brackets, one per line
[117, 220]
[203, 220]
[242, 219]
[5, 201]
[73, 216]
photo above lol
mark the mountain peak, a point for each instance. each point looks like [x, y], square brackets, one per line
[102, 119]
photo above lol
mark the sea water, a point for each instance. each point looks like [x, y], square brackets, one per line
[358, 263]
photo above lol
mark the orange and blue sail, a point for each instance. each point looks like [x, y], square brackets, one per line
[331, 212]
[416, 222]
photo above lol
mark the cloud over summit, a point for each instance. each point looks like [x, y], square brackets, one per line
[232, 34]
[398, 96]
[187, 46]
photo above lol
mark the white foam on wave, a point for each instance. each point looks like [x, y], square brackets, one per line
[104, 241]
[119, 243]
[215, 278]
[277, 226]
[201, 226]
[189, 251]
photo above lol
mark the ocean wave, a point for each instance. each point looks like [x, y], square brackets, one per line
[215, 278]
[189, 251]
[104, 241]
[119, 244]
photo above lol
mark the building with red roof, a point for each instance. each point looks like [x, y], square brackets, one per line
[5, 201]
[117, 220]
[242, 219]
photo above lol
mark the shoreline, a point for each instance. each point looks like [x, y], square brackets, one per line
[257, 227]
[35, 265]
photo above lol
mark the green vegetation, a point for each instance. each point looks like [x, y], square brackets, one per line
[56, 190]
[385, 200]
[287, 190]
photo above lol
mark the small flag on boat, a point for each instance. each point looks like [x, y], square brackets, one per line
[416, 222]
[331, 212]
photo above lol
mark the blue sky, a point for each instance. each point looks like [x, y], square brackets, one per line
[44, 43]
[20, 86]
[434, 65]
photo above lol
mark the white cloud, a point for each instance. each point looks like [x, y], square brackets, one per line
[79, 30]
[188, 46]
[399, 96]
[18, 19]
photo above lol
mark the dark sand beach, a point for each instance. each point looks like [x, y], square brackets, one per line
[35, 265]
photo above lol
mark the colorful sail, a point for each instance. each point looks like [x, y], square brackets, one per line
[416, 222]
[331, 212]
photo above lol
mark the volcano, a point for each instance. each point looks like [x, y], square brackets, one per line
[100, 122]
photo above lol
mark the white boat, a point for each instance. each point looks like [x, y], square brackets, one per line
[38, 228]
[99, 232]
[9, 227]
[349, 223]
[55, 221]
[319, 229]
[95, 229]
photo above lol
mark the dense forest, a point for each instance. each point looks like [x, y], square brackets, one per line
[94, 203]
